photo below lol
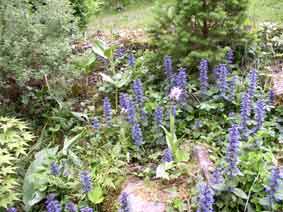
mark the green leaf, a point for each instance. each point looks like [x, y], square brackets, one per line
[240, 193]
[99, 48]
[96, 195]
[161, 172]
[69, 143]
[31, 194]
[264, 202]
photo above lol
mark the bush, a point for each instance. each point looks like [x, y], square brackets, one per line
[191, 30]
[35, 39]
[14, 138]
[83, 9]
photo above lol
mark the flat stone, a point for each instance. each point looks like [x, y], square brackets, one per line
[144, 197]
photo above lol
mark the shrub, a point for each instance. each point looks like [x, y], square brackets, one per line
[196, 29]
[35, 39]
[14, 138]
[83, 9]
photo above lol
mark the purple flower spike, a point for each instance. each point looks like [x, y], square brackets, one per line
[232, 153]
[271, 96]
[71, 207]
[138, 90]
[167, 156]
[230, 56]
[123, 199]
[137, 135]
[222, 81]
[233, 88]
[86, 209]
[132, 60]
[203, 78]
[55, 169]
[124, 102]
[273, 185]
[131, 112]
[119, 52]
[205, 198]
[95, 123]
[260, 113]
[86, 181]
[245, 110]
[168, 67]
[107, 110]
[252, 82]
[52, 205]
[158, 116]
[181, 79]
[217, 177]
[12, 210]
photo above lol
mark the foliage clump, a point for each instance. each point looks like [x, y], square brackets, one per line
[197, 29]
[14, 139]
[35, 39]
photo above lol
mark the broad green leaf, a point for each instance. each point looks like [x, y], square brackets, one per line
[69, 143]
[240, 193]
[31, 195]
[96, 195]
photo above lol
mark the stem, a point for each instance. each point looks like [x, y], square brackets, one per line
[250, 191]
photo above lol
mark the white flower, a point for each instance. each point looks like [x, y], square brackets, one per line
[175, 93]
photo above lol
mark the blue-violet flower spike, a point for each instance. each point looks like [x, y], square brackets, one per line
[137, 135]
[86, 209]
[205, 198]
[232, 153]
[107, 110]
[86, 181]
[123, 199]
[55, 169]
[203, 78]
[71, 207]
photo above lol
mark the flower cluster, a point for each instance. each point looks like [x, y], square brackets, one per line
[260, 113]
[167, 156]
[11, 209]
[137, 134]
[86, 209]
[131, 60]
[245, 110]
[131, 112]
[271, 96]
[168, 67]
[71, 207]
[138, 90]
[230, 56]
[205, 198]
[232, 153]
[124, 202]
[95, 123]
[124, 102]
[107, 110]
[274, 183]
[119, 52]
[181, 79]
[85, 181]
[233, 88]
[52, 205]
[175, 94]
[222, 80]
[203, 78]
[158, 116]
[217, 177]
[55, 169]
